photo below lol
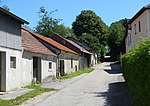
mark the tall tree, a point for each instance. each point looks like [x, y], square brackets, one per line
[47, 25]
[116, 38]
[88, 22]
[90, 41]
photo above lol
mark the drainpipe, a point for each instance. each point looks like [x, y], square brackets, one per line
[58, 70]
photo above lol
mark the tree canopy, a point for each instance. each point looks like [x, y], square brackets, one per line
[91, 41]
[88, 22]
[117, 32]
[47, 25]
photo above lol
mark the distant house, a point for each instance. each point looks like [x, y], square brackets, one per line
[10, 50]
[38, 62]
[88, 57]
[86, 54]
[67, 59]
[138, 28]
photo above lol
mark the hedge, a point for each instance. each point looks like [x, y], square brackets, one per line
[136, 70]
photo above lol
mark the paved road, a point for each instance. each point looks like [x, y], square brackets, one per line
[104, 86]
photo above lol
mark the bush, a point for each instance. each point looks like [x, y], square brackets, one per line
[136, 70]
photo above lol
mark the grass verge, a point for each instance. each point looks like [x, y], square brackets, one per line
[37, 91]
[77, 73]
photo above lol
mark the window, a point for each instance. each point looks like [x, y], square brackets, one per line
[139, 26]
[71, 63]
[50, 65]
[12, 62]
[129, 40]
[135, 29]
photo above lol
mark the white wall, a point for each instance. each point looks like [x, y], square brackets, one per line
[13, 75]
[27, 60]
[67, 62]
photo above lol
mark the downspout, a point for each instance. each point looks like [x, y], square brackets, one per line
[58, 70]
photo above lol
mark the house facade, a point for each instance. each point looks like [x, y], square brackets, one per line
[84, 54]
[67, 59]
[10, 50]
[138, 28]
[38, 62]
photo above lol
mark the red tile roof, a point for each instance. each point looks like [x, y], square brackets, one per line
[31, 44]
[52, 42]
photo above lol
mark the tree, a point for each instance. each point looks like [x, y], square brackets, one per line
[88, 22]
[48, 25]
[116, 38]
[91, 41]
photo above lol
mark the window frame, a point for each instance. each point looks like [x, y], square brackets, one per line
[135, 29]
[139, 26]
[13, 62]
[50, 65]
[71, 63]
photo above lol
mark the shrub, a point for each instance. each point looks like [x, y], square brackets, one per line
[136, 70]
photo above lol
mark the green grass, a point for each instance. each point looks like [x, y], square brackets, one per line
[77, 73]
[37, 91]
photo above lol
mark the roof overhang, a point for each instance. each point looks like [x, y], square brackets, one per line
[22, 21]
[139, 13]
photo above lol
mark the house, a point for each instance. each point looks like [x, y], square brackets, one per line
[88, 57]
[38, 62]
[138, 28]
[67, 59]
[10, 50]
[85, 53]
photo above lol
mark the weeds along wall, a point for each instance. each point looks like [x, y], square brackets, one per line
[136, 70]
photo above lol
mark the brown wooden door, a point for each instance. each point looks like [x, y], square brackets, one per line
[37, 69]
[62, 68]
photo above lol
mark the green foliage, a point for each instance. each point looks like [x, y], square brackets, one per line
[47, 25]
[77, 73]
[88, 22]
[91, 41]
[37, 91]
[136, 69]
[116, 37]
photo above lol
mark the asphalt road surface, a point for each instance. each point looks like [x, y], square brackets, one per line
[105, 86]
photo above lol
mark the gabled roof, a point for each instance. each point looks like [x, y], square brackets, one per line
[78, 46]
[31, 44]
[52, 42]
[139, 13]
[3, 11]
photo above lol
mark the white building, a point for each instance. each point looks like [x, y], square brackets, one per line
[38, 62]
[10, 50]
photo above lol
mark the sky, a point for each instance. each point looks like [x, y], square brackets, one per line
[109, 10]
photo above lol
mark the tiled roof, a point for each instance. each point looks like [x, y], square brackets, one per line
[31, 44]
[78, 46]
[53, 43]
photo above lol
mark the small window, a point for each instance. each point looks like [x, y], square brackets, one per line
[135, 29]
[139, 26]
[71, 63]
[50, 65]
[12, 62]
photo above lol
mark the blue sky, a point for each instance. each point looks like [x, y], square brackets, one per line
[109, 10]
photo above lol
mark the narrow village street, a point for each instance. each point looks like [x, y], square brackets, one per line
[105, 86]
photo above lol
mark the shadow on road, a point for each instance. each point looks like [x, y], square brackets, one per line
[117, 95]
[113, 68]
